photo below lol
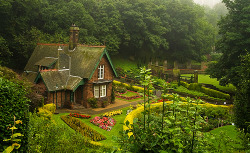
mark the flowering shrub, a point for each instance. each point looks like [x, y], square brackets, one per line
[84, 129]
[79, 115]
[134, 88]
[120, 95]
[105, 123]
[113, 113]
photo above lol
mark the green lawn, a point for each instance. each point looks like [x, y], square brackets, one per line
[224, 132]
[129, 94]
[108, 134]
[203, 78]
[123, 63]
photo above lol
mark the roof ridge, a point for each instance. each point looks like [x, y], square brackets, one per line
[49, 70]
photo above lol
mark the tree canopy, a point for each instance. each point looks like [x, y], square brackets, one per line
[234, 42]
[167, 29]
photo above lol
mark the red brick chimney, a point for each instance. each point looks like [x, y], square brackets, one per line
[73, 40]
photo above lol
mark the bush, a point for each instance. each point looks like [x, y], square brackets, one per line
[207, 91]
[46, 136]
[93, 102]
[47, 111]
[184, 84]
[13, 103]
[215, 93]
[84, 129]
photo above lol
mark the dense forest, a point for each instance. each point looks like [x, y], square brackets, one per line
[164, 29]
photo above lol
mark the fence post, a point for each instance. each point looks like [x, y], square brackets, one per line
[195, 76]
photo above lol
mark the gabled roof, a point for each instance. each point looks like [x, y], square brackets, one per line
[46, 61]
[60, 80]
[84, 61]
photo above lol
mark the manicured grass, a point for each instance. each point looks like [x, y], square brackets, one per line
[68, 130]
[108, 134]
[123, 63]
[129, 94]
[203, 78]
[226, 131]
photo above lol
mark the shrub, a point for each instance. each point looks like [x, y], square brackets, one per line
[195, 86]
[79, 115]
[47, 111]
[184, 84]
[105, 123]
[113, 113]
[46, 136]
[207, 91]
[93, 102]
[84, 129]
[13, 103]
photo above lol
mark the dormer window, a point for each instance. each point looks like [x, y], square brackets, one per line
[101, 72]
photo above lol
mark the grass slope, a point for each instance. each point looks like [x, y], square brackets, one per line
[224, 132]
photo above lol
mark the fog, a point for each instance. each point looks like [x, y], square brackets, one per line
[210, 3]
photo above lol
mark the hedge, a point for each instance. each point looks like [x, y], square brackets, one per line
[207, 91]
[129, 87]
[13, 103]
[81, 127]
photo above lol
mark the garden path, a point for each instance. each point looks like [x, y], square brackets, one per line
[119, 104]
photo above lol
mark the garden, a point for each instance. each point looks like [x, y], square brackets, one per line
[169, 123]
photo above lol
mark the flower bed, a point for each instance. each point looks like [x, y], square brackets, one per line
[79, 115]
[113, 113]
[121, 95]
[105, 123]
[84, 129]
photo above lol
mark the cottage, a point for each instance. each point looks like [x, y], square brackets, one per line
[72, 73]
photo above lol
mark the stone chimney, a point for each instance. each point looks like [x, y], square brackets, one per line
[73, 40]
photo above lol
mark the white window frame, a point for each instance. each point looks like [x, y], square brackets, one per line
[96, 91]
[102, 90]
[101, 72]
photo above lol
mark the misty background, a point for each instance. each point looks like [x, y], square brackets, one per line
[209, 3]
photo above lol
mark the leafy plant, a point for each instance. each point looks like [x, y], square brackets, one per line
[13, 138]
[93, 102]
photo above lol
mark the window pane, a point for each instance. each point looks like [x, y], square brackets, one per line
[96, 91]
[101, 72]
[103, 91]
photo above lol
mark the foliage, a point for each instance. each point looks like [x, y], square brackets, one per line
[92, 102]
[129, 95]
[47, 111]
[207, 91]
[203, 78]
[81, 127]
[49, 136]
[143, 30]
[13, 103]
[242, 102]
[234, 31]
[113, 113]
[105, 123]
[179, 131]
[13, 137]
[133, 88]
[79, 115]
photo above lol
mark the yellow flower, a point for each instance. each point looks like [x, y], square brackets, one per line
[19, 121]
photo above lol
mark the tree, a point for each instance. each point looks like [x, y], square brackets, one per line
[234, 41]
[242, 102]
